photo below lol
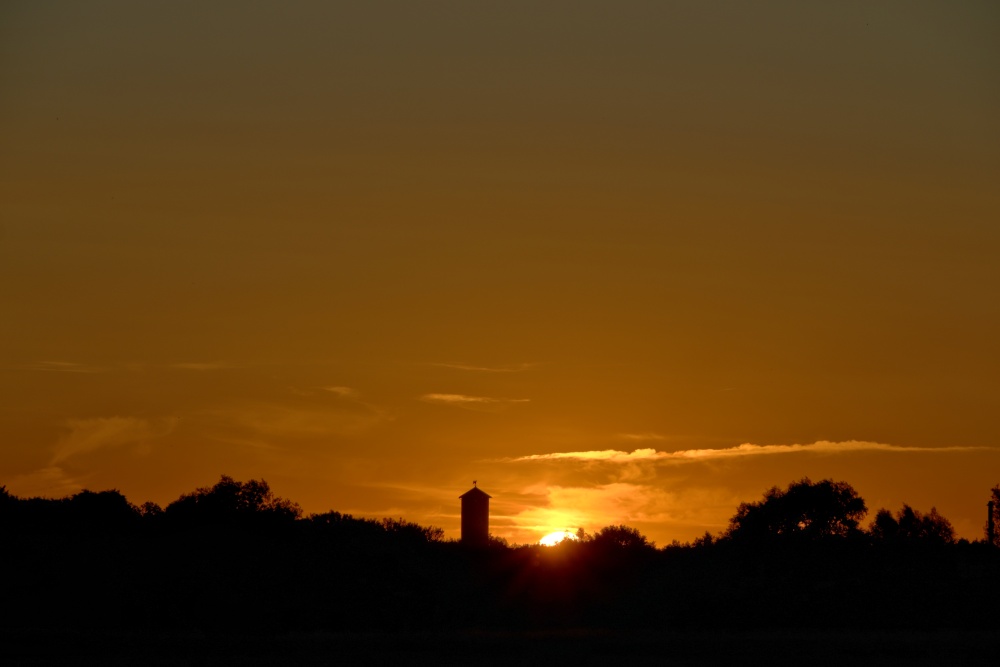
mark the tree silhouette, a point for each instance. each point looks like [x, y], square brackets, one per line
[621, 536]
[806, 509]
[101, 512]
[7, 500]
[910, 525]
[410, 531]
[232, 502]
[8, 509]
[150, 510]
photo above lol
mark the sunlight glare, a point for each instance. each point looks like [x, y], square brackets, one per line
[555, 538]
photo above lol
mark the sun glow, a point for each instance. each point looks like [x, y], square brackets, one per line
[555, 538]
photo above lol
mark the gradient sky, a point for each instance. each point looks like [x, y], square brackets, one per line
[372, 251]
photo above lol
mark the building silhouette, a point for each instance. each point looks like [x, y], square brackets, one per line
[475, 516]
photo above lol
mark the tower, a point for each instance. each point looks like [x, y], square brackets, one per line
[475, 517]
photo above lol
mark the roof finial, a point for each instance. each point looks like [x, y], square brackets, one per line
[473, 482]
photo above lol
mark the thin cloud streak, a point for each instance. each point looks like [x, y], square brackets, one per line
[64, 367]
[282, 421]
[202, 366]
[89, 435]
[472, 402]
[246, 442]
[746, 449]
[342, 392]
[49, 482]
[512, 368]
[641, 437]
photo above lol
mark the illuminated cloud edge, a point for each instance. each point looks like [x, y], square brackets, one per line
[470, 402]
[746, 449]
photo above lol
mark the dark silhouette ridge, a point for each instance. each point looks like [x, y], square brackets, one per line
[234, 558]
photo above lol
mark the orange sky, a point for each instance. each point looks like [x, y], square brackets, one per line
[373, 251]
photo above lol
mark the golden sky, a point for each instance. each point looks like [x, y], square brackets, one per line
[621, 262]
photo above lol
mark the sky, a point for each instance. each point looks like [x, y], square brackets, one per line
[620, 262]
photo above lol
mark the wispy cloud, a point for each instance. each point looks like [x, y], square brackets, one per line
[508, 368]
[268, 422]
[610, 455]
[248, 443]
[89, 435]
[688, 511]
[202, 366]
[76, 367]
[64, 367]
[687, 455]
[641, 437]
[482, 403]
[342, 392]
[51, 481]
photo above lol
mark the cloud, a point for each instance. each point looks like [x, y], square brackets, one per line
[51, 482]
[89, 435]
[641, 437]
[667, 495]
[744, 450]
[342, 392]
[511, 368]
[612, 455]
[248, 443]
[64, 367]
[570, 507]
[279, 422]
[202, 366]
[480, 403]
[654, 510]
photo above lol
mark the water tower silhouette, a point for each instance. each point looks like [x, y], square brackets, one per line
[475, 516]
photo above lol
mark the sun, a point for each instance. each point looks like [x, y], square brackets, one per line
[555, 538]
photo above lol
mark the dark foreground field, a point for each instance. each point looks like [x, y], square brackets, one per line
[560, 648]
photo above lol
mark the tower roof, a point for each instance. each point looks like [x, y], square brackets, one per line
[475, 491]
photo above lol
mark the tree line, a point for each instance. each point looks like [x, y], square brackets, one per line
[234, 556]
[805, 510]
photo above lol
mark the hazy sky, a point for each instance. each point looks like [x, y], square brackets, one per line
[372, 251]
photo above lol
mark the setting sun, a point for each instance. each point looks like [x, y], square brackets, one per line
[555, 538]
